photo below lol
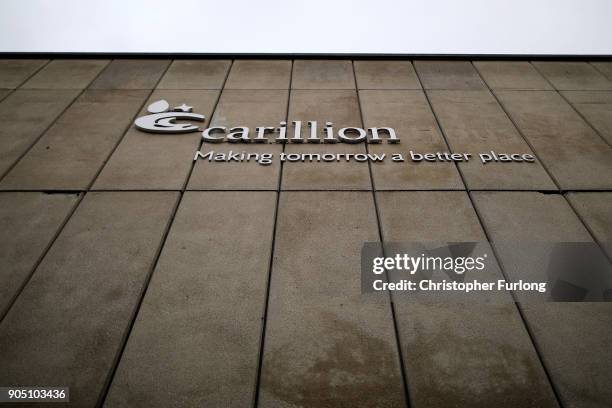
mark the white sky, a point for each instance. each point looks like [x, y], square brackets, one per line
[308, 26]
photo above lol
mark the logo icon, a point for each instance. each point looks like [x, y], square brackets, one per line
[163, 120]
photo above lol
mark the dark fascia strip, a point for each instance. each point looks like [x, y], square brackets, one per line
[372, 56]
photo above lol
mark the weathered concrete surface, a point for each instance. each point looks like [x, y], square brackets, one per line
[25, 114]
[574, 75]
[66, 327]
[323, 74]
[595, 209]
[259, 74]
[326, 344]
[448, 75]
[13, 72]
[386, 75]
[72, 151]
[131, 74]
[459, 354]
[197, 337]
[596, 107]
[410, 115]
[66, 74]
[28, 222]
[153, 161]
[520, 75]
[249, 108]
[474, 123]
[195, 74]
[342, 109]
[605, 67]
[575, 155]
[572, 337]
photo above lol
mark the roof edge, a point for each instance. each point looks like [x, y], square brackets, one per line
[144, 55]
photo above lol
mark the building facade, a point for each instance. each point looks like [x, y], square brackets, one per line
[154, 267]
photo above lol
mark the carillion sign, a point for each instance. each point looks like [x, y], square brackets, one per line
[162, 119]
